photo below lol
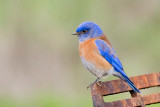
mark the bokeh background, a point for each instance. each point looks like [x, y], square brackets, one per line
[39, 59]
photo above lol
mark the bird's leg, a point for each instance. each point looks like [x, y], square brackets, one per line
[94, 82]
[99, 83]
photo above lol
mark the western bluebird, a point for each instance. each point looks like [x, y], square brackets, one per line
[98, 55]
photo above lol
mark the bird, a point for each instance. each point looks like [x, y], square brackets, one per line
[98, 55]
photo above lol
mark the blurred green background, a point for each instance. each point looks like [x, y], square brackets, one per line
[39, 59]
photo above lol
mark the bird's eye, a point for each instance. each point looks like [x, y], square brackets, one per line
[84, 31]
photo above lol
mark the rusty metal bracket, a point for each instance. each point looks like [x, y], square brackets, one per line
[118, 86]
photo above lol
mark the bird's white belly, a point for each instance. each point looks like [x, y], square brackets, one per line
[95, 71]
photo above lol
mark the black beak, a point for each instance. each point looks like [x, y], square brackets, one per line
[76, 33]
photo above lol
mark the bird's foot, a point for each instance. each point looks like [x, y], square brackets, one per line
[98, 83]
[90, 85]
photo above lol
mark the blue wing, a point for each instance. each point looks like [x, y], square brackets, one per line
[110, 55]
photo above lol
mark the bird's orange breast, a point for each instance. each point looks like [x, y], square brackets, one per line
[88, 50]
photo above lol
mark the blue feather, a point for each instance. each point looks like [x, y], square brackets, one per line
[107, 52]
[110, 55]
[125, 78]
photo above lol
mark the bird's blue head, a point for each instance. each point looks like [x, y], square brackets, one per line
[87, 30]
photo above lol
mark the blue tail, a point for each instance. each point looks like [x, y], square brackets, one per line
[132, 86]
[130, 83]
[124, 77]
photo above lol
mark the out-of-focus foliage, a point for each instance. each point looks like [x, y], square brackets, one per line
[39, 62]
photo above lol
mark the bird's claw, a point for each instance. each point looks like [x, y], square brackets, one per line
[98, 83]
[90, 86]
